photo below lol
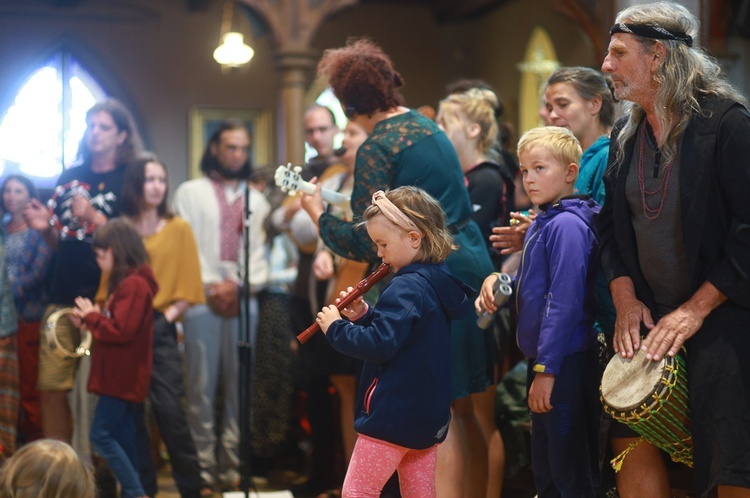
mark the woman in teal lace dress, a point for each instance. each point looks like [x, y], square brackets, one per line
[405, 148]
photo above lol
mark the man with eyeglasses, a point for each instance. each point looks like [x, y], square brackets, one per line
[320, 129]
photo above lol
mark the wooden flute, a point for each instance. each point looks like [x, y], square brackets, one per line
[363, 286]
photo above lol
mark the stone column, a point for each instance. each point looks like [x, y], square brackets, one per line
[296, 67]
[293, 24]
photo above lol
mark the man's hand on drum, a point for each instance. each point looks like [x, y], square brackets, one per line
[510, 239]
[631, 313]
[540, 393]
[670, 333]
[627, 339]
[680, 325]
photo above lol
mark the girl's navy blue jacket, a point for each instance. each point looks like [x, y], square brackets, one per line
[405, 388]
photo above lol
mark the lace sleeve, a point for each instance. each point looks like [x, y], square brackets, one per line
[374, 171]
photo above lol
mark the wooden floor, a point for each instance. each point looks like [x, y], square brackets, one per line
[167, 488]
[520, 486]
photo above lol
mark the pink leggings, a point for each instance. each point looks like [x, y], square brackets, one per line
[374, 461]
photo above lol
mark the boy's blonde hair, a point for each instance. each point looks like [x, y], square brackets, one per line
[46, 468]
[427, 214]
[561, 143]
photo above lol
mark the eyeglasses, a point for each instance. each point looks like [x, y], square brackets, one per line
[319, 129]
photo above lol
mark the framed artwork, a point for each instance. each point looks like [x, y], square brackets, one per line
[203, 122]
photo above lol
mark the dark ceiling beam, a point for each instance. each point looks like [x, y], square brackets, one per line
[448, 10]
[198, 5]
[66, 3]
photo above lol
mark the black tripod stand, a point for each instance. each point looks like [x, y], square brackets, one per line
[245, 351]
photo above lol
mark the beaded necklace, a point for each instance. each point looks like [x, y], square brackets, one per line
[649, 212]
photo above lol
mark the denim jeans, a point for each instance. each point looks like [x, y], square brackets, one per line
[113, 437]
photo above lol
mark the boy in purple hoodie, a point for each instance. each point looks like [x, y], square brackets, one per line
[554, 295]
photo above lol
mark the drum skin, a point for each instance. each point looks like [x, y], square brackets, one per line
[628, 383]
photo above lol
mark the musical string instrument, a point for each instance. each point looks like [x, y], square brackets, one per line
[502, 292]
[289, 180]
[363, 286]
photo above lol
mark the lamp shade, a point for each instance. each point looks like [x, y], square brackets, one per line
[233, 51]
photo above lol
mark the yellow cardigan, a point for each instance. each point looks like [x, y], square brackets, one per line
[173, 256]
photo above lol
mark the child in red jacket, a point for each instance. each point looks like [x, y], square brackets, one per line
[122, 349]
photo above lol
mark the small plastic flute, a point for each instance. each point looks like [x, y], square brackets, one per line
[363, 286]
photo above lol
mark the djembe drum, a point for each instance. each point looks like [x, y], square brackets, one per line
[651, 397]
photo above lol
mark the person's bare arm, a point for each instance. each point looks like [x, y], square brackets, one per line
[671, 332]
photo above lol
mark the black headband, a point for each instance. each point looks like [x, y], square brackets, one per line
[656, 32]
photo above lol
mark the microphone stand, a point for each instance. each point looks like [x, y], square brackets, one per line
[245, 348]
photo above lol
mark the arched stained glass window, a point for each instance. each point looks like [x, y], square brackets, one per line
[40, 131]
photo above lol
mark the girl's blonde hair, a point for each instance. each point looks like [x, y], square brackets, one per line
[46, 468]
[427, 214]
[477, 105]
[559, 141]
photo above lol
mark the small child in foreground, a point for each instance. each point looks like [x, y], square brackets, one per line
[46, 468]
[121, 359]
[554, 294]
[403, 403]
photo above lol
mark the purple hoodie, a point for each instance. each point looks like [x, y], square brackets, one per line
[554, 288]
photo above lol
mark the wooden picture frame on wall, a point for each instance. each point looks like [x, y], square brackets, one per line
[203, 122]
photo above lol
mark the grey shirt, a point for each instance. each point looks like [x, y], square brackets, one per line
[656, 216]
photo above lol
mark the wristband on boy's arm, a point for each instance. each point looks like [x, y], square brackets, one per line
[538, 368]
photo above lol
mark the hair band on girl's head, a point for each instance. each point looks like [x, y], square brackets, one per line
[393, 213]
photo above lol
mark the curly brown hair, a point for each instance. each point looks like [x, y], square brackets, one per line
[362, 77]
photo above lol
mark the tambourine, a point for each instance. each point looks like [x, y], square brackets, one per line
[83, 349]
[75, 227]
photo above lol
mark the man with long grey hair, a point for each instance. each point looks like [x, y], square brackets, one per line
[675, 233]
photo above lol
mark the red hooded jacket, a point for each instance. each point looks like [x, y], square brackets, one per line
[121, 355]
